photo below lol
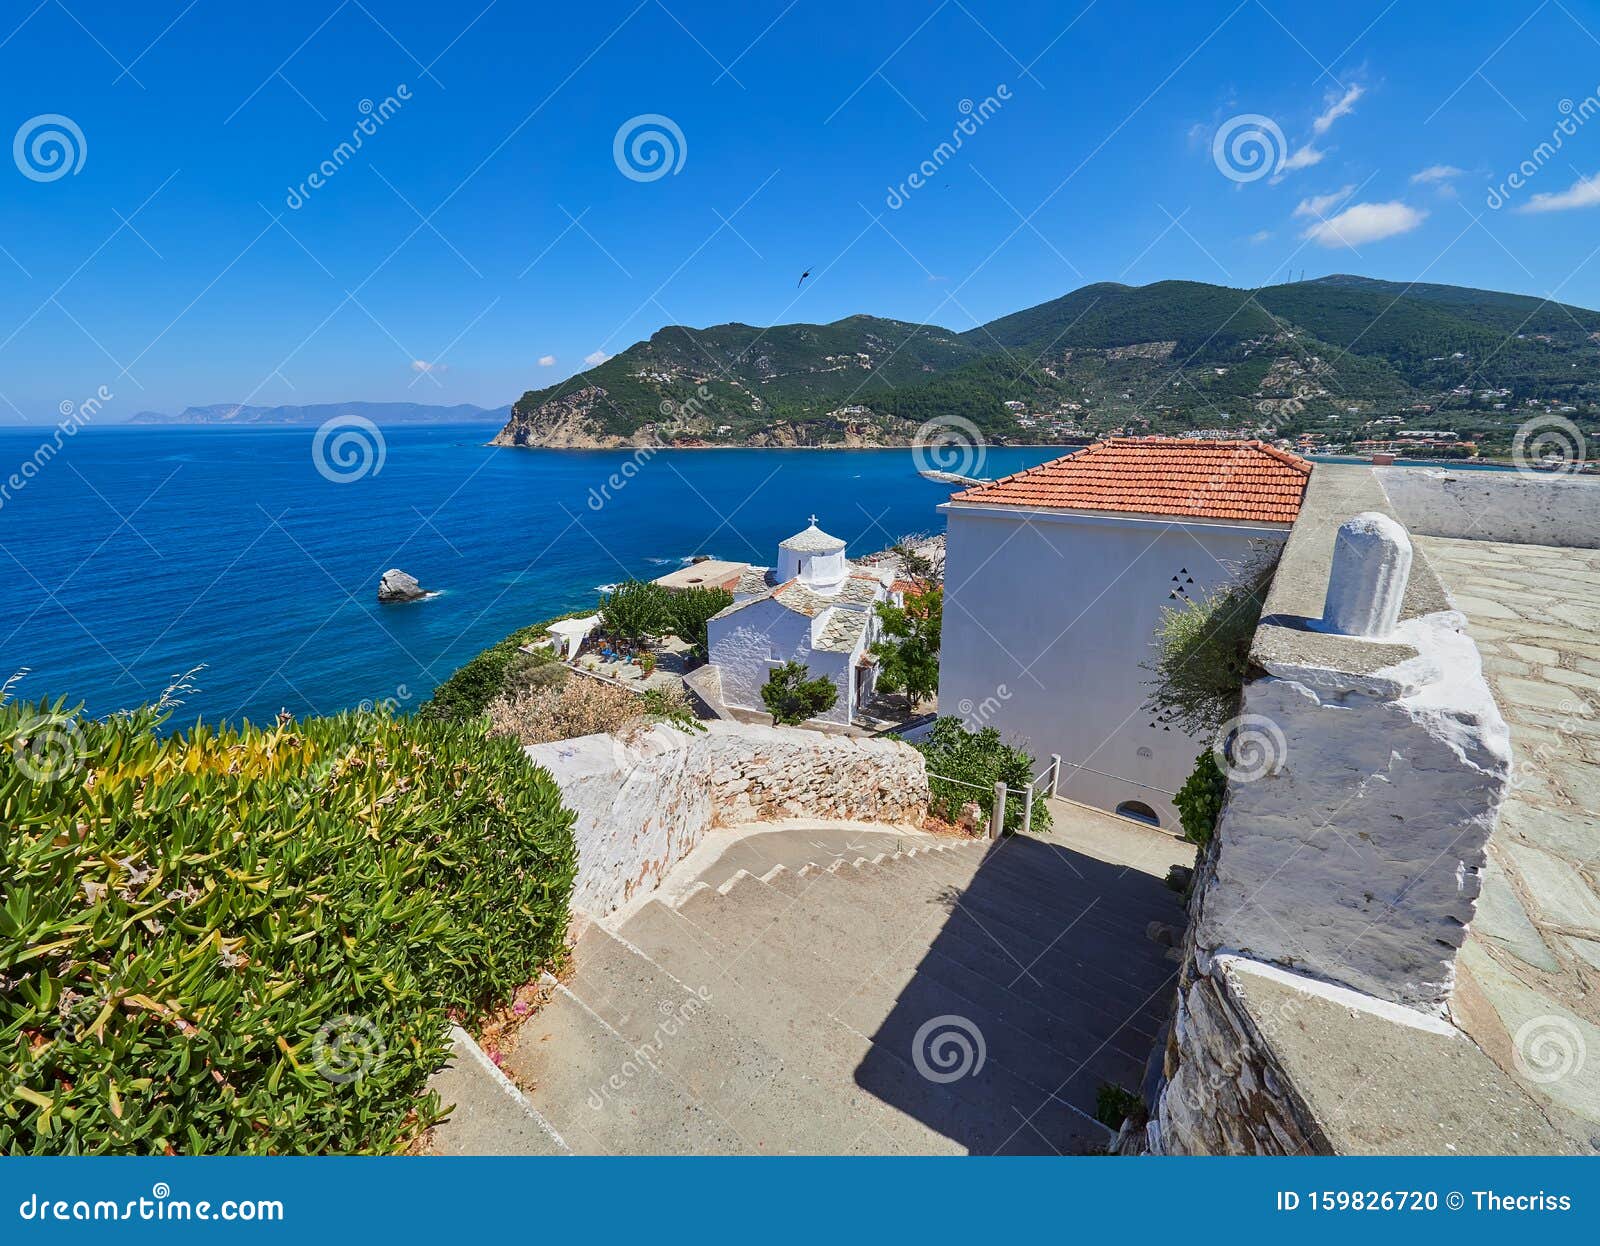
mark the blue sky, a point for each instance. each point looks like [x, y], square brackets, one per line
[484, 239]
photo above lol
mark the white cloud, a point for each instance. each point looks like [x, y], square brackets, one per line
[596, 357]
[1583, 193]
[547, 361]
[423, 365]
[1365, 222]
[1320, 205]
[1340, 106]
[1261, 235]
[1301, 158]
[1437, 173]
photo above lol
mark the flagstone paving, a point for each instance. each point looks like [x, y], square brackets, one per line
[1529, 989]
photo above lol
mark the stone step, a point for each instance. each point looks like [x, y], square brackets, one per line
[585, 1079]
[1046, 887]
[835, 971]
[966, 956]
[1030, 928]
[877, 914]
[488, 1114]
[788, 997]
[680, 1027]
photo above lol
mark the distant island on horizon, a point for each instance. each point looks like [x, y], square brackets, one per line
[1337, 364]
[319, 413]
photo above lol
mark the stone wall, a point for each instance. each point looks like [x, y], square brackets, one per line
[643, 804]
[1365, 779]
[1527, 508]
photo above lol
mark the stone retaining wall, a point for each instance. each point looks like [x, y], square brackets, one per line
[643, 804]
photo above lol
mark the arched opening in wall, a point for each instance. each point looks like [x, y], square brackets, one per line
[1138, 811]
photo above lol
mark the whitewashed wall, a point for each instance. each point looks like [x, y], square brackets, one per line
[1048, 618]
[745, 646]
[641, 806]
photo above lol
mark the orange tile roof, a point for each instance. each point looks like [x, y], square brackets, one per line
[1239, 480]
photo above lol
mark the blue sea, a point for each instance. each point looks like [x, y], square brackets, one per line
[134, 554]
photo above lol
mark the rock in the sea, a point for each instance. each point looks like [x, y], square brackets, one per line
[396, 585]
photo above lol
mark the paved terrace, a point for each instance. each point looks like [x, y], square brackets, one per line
[1528, 990]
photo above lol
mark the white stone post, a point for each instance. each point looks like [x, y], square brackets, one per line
[997, 818]
[1027, 809]
[1367, 581]
[1055, 775]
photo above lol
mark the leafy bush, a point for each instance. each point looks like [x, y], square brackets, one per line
[976, 761]
[791, 696]
[1198, 678]
[688, 610]
[908, 656]
[252, 939]
[1199, 800]
[501, 669]
[1114, 1104]
[636, 610]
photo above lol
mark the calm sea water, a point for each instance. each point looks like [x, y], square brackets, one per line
[137, 553]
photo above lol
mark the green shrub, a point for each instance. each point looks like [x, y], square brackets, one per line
[635, 610]
[1197, 680]
[467, 693]
[1199, 800]
[252, 939]
[501, 668]
[976, 761]
[792, 696]
[1114, 1104]
[687, 612]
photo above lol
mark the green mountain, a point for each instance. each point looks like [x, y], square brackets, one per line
[1333, 357]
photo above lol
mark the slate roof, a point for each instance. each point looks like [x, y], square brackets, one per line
[841, 630]
[813, 541]
[1237, 480]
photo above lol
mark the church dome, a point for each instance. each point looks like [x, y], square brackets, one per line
[812, 540]
[814, 558]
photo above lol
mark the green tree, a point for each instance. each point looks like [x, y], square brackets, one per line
[792, 696]
[635, 610]
[688, 610]
[908, 655]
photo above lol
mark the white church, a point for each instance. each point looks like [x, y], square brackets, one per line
[815, 607]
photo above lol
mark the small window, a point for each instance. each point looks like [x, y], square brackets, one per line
[1138, 811]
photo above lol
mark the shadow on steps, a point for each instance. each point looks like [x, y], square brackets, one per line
[1058, 990]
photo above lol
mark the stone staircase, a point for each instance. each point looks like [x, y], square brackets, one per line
[947, 997]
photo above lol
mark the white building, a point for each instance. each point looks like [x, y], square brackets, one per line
[1055, 581]
[816, 607]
